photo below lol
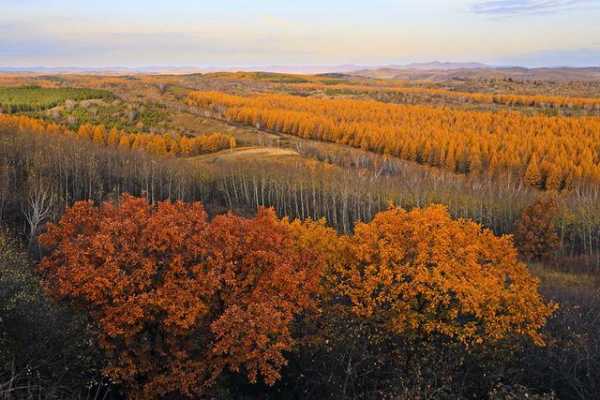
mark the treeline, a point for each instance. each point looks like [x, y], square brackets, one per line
[34, 98]
[408, 94]
[50, 172]
[552, 153]
[346, 196]
[161, 145]
[400, 91]
[69, 169]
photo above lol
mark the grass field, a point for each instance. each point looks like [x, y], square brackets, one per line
[34, 98]
[249, 154]
[553, 276]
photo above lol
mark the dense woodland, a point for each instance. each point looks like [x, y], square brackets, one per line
[369, 250]
[162, 145]
[416, 94]
[463, 141]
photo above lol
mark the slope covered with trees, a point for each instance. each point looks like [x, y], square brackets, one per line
[72, 169]
[160, 145]
[416, 94]
[553, 153]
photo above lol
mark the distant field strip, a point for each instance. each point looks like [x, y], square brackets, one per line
[548, 152]
[33, 98]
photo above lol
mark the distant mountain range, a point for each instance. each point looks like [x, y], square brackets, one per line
[446, 66]
[307, 69]
[437, 71]
[299, 69]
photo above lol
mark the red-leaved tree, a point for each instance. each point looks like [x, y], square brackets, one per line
[177, 300]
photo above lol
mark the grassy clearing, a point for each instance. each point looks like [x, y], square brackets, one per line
[555, 277]
[249, 154]
[194, 124]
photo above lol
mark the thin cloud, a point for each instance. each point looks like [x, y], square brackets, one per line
[526, 7]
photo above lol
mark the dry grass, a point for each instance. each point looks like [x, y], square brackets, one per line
[249, 153]
[551, 276]
[195, 124]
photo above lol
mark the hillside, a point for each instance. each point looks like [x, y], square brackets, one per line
[225, 234]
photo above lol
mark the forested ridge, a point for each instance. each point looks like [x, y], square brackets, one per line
[582, 96]
[407, 93]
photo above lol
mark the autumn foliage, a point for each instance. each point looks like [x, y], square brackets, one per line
[161, 145]
[519, 100]
[564, 149]
[178, 300]
[536, 234]
[423, 273]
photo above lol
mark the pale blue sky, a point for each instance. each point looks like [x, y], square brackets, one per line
[309, 32]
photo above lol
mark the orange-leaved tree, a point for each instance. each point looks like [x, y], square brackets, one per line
[535, 233]
[177, 300]
[423, 273]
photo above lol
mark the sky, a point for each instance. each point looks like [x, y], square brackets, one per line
[135, 33]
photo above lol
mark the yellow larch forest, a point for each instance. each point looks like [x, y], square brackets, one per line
[552, 153]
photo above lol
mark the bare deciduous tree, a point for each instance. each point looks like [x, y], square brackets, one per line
[38, 209]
